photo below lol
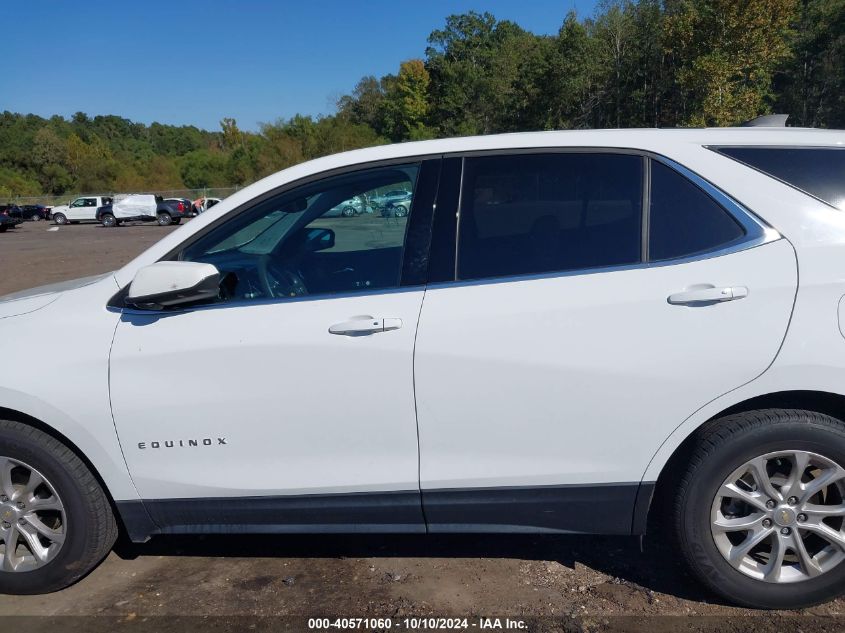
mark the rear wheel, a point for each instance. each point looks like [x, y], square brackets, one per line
[56, 523]
[60, 218]
[347, 211]
[108, 219]
[760, 511]
[164, 219]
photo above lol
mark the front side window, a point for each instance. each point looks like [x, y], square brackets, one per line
[534, 213]
[684, 220]
[79, 202]
[332, 236]
[818, 171]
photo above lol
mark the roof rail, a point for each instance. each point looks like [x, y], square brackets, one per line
[767, 120]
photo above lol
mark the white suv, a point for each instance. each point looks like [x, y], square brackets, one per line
[571, 332]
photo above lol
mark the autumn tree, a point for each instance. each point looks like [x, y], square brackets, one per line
[726, 53]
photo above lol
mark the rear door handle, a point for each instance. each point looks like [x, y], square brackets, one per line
[364, 325]
[708, 295]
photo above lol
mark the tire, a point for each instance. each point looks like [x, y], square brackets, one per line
[107, 219]
[164, 219]
[35, 217]
[60, 218]
[90, 529]
[401, 211]
[347, 212]
[724, 449]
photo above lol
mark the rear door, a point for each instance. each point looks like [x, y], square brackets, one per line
[574, 332]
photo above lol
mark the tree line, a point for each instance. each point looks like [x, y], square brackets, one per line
[634, 63]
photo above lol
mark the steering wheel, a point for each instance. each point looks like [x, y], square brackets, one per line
[278, 281]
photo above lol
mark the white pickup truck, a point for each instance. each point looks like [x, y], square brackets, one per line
[83, 209]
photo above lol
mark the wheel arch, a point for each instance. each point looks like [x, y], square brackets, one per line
[24, 418]
[828, 403]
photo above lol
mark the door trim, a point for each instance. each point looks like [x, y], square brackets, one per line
[615, 508]
[356, 512]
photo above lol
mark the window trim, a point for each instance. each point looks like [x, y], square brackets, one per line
[717, 149]
[757, 231]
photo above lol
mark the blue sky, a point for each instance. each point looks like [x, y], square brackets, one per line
[197, 61]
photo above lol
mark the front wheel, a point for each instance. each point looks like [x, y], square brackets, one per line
[56, 523]
[60, 218]
[164, 219]
[760, 510]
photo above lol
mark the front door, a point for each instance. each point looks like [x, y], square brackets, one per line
[82, 209]
[289, 403]
[566, 352]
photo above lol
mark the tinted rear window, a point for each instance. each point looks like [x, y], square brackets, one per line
[818, 171]
[534, 213]
[684, 220]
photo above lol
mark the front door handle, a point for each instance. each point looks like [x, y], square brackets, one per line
[364, 325]
[708, 295]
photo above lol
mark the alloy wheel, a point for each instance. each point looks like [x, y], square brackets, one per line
[780, 516]
[33, 522]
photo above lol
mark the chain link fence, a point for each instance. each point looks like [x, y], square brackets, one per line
[190, 194]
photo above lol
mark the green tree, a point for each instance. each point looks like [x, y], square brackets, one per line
[726, 54]
[570, 92]
[14, 184]
[812, 82]
[203, 168]
[405, 104]
[474, 71]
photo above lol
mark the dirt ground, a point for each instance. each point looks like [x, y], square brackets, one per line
[572, 583]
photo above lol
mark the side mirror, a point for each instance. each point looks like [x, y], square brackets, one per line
[319, 240]
[168, 284]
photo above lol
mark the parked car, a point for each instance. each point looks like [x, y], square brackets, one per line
[35, 212]
[182, 205]
[83, 209]
[201, 205]
[347, 209]
[613, 331]
[394, 203]
[7, 221]
[11, 212]
[142, 208]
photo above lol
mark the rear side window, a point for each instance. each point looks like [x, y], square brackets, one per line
[535, 213]
[818, 171]
[684, 220]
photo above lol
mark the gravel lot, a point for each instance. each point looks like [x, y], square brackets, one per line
[586, 583]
